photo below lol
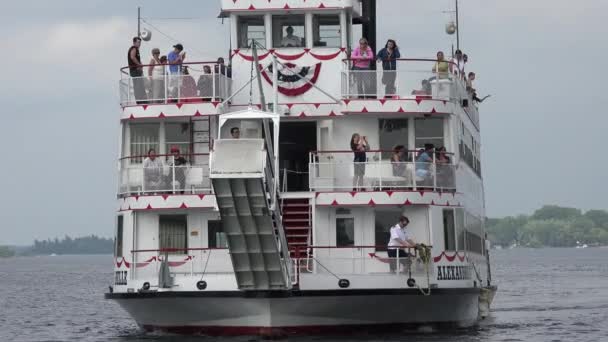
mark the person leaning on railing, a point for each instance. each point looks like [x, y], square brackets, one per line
[398, 161]
[361, 58]
[205, 84]
[156, 73]
[444, 171]
[136, 71]
[388, 56]
[175, 58]
[400, 238]
[177, 176]
[441, 67]
[424, 162]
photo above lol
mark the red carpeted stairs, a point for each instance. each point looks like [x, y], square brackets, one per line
[297, 221]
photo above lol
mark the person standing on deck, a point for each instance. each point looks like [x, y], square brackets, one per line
[388, 56]
[136, 71]
[400, 238]
[175, 58]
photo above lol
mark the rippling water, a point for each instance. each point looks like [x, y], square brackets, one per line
[544, 295]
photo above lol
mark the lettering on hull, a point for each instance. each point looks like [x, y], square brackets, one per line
[454, 273]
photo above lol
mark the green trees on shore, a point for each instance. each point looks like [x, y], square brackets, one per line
[552, 226]
[6, 252]
[82, 245]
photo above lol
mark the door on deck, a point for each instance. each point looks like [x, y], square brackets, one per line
[296, 140]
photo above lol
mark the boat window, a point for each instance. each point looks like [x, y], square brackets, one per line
[217, 237]
[144, 136]
[289, 30]
[345, 232]
[393, 132]
[119, 237]
[172, 231]
[385, 219]
[251, 28]
[429, 131]
[177, 134]
[459, 220]
[326, 30]
[449, 233]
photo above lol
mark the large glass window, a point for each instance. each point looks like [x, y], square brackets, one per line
[385, 219]
[119, 237]
[288, 30]
[217, 237]
[449, 230]
[326, 30]
[251, 28]
[345, 231]
[177, 134]
[393, 132]
[429, 131]
[173, 233]
[459, 214]
[144, 136]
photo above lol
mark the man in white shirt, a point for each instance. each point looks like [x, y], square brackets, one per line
[400, 238]
[153, 169]
[290, 40]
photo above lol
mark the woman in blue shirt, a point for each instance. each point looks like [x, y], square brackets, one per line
[389, 55]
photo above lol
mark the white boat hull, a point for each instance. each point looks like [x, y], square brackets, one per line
[299, 312]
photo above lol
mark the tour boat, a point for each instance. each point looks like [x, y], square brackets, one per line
[252, 218]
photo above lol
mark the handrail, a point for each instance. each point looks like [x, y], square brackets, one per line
[354, 247]
[126, 68]
[163, 155]
[373, 151]
[404, 60]
[169, 250]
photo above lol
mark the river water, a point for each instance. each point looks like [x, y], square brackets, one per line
[544, 295]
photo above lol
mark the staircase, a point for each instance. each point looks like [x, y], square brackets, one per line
[297, 222]
[244, 191]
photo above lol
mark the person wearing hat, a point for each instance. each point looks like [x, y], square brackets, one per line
[175, 58]
[291, 40]
[400, 238]
[178, 165]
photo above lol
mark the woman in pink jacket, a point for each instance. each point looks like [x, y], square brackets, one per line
[362, 57]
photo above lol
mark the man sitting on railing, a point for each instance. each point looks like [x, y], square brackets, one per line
[153, 168]
[177, 176]
[424, 162]
[399, 239]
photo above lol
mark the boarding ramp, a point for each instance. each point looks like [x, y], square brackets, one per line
[246, 197]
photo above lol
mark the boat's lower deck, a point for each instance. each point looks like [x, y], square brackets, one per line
[295, 311]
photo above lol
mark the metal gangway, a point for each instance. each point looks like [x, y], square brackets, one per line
[244, 178]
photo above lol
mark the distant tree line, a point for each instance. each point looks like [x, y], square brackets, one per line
[6, 252]
[82, 245]
[551, 226]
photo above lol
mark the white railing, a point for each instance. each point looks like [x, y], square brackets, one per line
[201, 82]
[362, 260]
[137, 176]
[186, 262]
[410, 78]
[336, 171]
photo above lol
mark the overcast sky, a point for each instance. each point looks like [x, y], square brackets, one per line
[543, 61]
